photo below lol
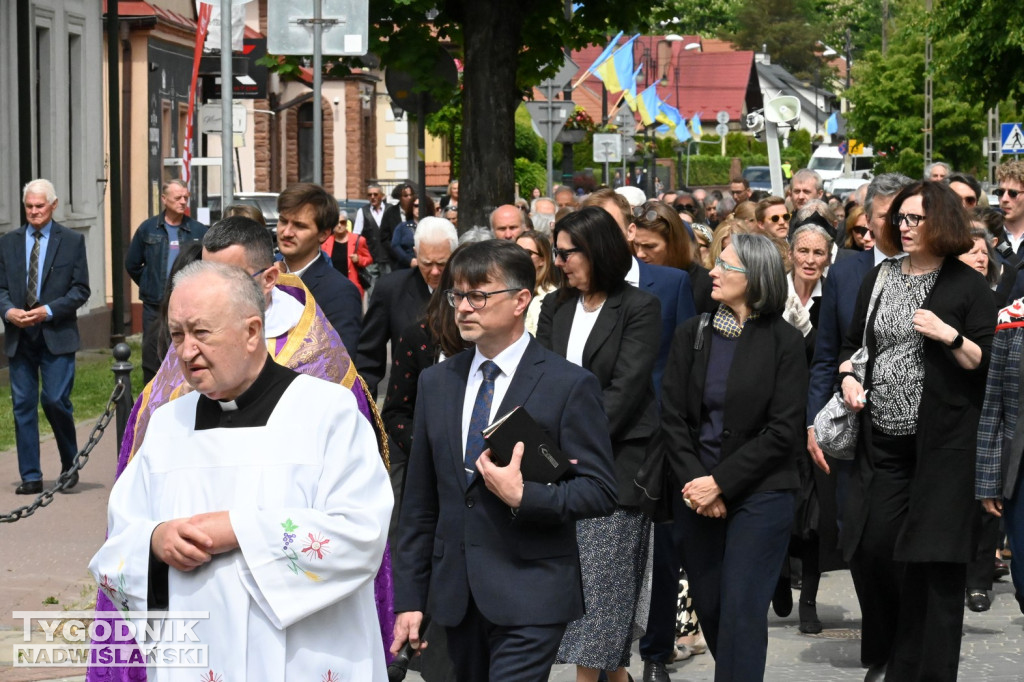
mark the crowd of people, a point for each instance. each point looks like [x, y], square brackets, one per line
[674, 349]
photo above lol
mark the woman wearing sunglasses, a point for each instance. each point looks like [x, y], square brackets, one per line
[858, 235]
[907, 525]
[598, 321]
[732, 417]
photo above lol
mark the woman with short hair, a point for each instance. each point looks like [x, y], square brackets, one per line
[907, 525]
[733, 404]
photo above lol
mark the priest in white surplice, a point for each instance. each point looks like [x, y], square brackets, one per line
[259, 497]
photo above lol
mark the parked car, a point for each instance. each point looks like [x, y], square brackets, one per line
[352, 206]
[265, 201]
[759, 177]
[843, 186]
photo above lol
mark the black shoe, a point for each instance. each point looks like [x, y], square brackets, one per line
[782, 600]
[809, 623]
[876, 673]
[1001, 570]
[72, 481]
[978, 601]
[655, 672]
[29, 488]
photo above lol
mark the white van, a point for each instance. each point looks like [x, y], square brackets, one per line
[829, 163]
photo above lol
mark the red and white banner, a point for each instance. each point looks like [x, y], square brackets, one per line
[186, 148]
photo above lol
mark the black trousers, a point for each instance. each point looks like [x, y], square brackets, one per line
[912, 611]
[981, 571]
[481, 650]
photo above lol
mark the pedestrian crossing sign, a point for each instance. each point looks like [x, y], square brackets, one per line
[1012, 139]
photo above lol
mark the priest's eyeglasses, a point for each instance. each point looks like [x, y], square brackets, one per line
[477, 299]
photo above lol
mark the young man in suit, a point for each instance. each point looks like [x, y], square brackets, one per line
[308, 215]
[473, 534]
[44, 280]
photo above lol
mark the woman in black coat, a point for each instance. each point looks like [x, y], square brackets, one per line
[733, 403]
[613, 329]
[909, 514]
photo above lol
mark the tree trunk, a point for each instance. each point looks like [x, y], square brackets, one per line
[491, 32]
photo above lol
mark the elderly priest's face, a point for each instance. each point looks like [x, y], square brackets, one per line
[221, 349]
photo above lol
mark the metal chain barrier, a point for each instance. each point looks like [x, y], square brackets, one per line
[46, 497]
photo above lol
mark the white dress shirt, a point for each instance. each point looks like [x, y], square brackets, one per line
[507, 361]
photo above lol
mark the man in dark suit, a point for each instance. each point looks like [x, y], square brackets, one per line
[44, 280]
[400, 298]
[492, 557]
[308, 214]
[394, 215]
[367, 224]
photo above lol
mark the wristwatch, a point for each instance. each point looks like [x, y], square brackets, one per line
[957, 342]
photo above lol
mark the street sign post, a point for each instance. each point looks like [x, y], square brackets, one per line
[550, 116]
[722, 117]
[1011, 139]
[607, 148]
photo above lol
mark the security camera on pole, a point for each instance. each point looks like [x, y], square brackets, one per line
[781, 110]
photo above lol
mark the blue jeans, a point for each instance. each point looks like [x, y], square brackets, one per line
[32, 362]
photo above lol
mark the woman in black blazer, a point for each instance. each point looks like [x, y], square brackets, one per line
[603, 324]
[910, 507]
[733, 404]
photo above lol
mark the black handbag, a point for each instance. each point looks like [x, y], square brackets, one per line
[365, 278]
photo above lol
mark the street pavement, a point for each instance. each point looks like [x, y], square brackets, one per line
[44, 559]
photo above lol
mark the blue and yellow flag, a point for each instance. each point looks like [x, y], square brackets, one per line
[695, 125]
[630, 92]
[682, 132]
[605, 53]
[669, 116]
[615, 72]
[832, 124]
[649, 105]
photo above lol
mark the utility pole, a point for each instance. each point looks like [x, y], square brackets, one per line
[928, 90]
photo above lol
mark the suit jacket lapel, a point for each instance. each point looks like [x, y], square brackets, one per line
[527, 375]
[51, 253]
[454, 385]
[606, 321]
[561, 325]
[18, 279]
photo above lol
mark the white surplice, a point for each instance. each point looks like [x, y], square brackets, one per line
[309, 501]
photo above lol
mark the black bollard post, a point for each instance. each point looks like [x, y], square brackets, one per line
[122, 370]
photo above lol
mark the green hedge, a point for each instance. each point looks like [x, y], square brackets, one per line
[529, 175]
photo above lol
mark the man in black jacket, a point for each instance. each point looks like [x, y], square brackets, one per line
[308, 214]
[401, 297]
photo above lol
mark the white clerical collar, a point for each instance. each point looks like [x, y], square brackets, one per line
[633, 276]
[282, 314]
[507, 360]
[228, 405]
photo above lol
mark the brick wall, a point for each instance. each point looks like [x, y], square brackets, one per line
[360, 136]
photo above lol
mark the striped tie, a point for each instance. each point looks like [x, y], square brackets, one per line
[31, 299]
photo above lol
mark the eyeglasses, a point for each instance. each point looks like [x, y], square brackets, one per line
[684, 207]
[784, 217]
[260, 272]
[1002, 190]
[861, 230]
[564, 253]
[911, 219]
[530, 251]
[477, 299]
[719, 263]
[643, 212]
[971, 201]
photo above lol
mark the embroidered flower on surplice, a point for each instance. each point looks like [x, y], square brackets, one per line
[317, 545]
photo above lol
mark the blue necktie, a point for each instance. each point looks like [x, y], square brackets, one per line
[480, 418]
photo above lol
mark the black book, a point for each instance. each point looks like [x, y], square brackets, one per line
[543, 462]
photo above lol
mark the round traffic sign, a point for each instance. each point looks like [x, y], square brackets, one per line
[722, 116]
[722, 129]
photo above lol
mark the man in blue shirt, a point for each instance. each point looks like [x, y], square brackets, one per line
[44, 280]
[152, 252]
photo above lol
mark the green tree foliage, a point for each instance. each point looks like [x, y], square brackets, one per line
[982, 48]
[708, 19]
[888, 106]
[787, 27]
[506, 48]
[529, 176]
